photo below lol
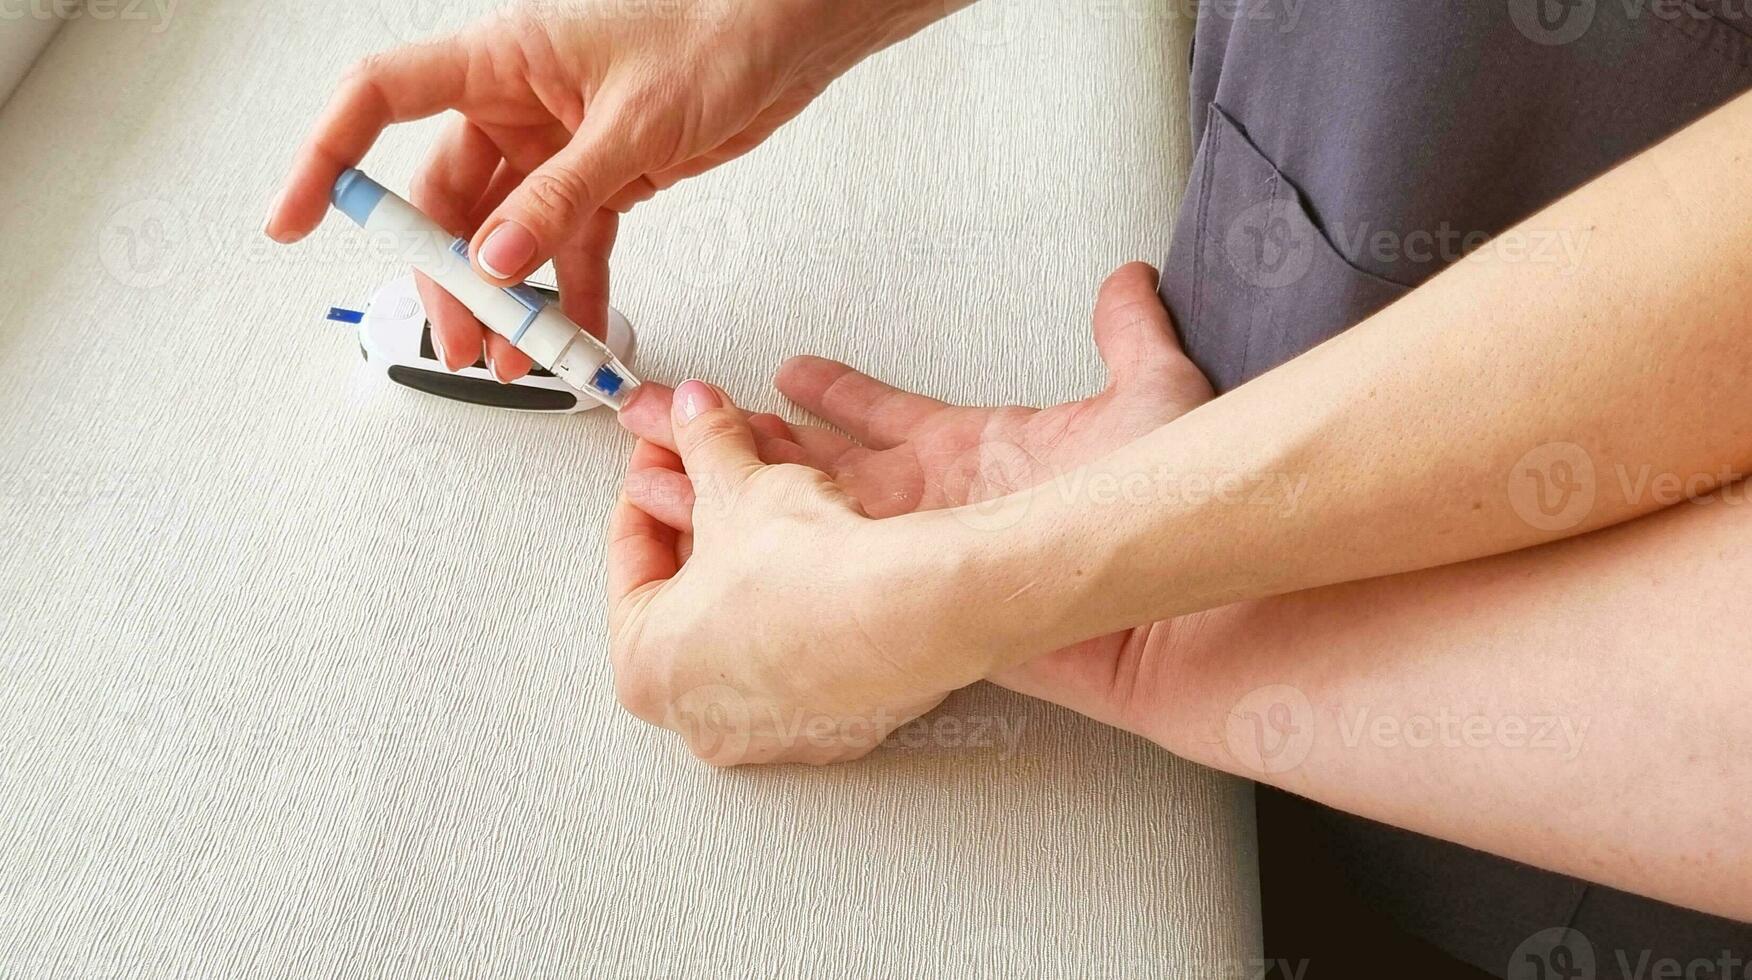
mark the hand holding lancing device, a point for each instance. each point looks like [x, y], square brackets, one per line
[571, 112]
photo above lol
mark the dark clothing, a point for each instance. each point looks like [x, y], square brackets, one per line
[1329, 139]
[1348, 151]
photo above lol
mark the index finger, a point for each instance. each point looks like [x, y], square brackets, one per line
[641, 549]
[397, 86]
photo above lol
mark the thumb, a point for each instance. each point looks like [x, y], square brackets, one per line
[1132, 328]
[714, 439]
[553, 203]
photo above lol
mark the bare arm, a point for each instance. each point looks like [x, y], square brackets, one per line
[1418, 438]
[1580, 707]
[1404, 443]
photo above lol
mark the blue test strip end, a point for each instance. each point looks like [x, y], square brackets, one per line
[607, 382]
[356, 196]
[340, 315]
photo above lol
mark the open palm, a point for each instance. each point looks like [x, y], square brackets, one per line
[907, 452]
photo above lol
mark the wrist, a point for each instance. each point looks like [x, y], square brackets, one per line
[940, 596]
[1186, 519]
[1011, 585]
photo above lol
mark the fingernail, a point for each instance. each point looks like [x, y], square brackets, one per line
[438, 347]
[694, 398]
[510, 246]
[634, 398]
[274, 212]
[493, 368]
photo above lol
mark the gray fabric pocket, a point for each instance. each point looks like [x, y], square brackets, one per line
[1256, 280]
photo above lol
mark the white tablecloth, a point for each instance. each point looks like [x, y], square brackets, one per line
[24, 32]
[302, 675]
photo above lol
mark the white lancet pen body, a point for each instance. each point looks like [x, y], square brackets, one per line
[519, 314]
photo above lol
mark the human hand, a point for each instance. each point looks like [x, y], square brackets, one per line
[759, 643]
[571, 112]
[912, 453]
[915, 453]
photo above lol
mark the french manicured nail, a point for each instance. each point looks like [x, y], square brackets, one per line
[694, 398]
[438, 346]
[507, 250]
[493, 368]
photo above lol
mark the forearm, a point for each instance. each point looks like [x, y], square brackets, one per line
[1580, 707]
[1396, 446]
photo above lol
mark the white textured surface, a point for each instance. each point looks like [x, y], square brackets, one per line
[24, 32]
[303, 676]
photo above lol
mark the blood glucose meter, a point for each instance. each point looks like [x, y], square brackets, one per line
[396, 338]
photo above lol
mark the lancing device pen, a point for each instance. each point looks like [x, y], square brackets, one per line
[519, 314]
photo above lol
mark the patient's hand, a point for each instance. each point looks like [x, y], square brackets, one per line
[916, 453]
[909, 452]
